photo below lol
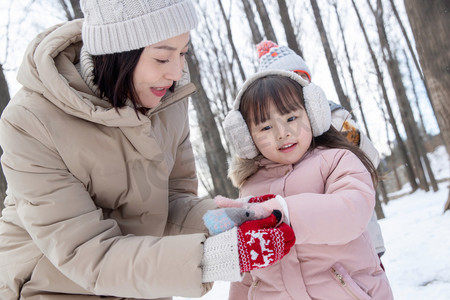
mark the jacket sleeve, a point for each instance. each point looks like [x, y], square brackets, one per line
[239, 290]
[64, 222]
[343, 211]
[186, 209]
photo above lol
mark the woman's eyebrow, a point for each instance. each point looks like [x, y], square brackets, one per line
[169, 48]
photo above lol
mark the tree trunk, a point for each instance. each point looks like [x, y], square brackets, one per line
[230, 39]
[214, 151]
[381, 189]
[400, 91]
[401, 145]
[256, 34]
[288, 28]
[350, 70]
[392, 158]
[4, 99]
[343, 99]
[422, 133]
[265, 20]
[430, 23]
[413, 54]
[78, 14]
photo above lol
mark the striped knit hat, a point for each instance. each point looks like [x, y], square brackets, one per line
[274, 57]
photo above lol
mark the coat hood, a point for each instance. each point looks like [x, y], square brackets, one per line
[49, 68]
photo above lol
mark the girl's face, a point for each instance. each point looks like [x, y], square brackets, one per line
[159, 66]
[283, 138]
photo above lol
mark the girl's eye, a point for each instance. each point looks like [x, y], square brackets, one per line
[184, 53]
[292, 118]
[266, 128]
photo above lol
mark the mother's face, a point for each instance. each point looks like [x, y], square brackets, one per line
[159, 66]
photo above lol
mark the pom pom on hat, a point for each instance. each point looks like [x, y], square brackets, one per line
[264, 47]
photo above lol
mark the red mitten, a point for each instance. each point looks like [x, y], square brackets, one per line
[261, 245]
[260, 199]
[253, 245]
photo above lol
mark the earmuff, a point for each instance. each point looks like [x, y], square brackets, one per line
[316, 105]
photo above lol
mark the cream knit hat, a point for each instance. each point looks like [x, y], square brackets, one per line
[112, 26]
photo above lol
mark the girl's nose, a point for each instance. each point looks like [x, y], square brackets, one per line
[283, 132]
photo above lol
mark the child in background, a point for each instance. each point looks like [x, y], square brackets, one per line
[274, 57]
[280, 130]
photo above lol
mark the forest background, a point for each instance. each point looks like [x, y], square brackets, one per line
[385, 61]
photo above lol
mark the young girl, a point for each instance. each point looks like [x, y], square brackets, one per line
[280, 129]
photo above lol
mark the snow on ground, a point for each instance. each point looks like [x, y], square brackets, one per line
[417, 238]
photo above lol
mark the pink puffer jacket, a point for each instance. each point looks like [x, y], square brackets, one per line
[330, 197]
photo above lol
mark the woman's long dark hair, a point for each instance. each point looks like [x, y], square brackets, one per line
[113, 74]
[287, 95]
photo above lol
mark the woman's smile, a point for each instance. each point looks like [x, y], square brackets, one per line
[159, 91]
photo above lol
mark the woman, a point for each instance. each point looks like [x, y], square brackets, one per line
[101, 178]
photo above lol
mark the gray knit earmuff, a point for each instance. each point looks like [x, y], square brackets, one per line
[316, 105]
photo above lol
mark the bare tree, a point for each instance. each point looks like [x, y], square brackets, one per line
[265, 20]
[75, 13]
[288, 28]
[4, 99]
[409, 123]
[256, 34]
[350, 69]
[430, 23]
[215, 153]
[421, 133]
[230, 40]
[343, 98]
[408, 165]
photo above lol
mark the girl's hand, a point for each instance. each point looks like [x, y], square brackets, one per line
[235, 212]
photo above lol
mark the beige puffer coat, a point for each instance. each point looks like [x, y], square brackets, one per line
[98, 202]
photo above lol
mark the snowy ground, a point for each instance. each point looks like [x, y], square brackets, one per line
[417, 238]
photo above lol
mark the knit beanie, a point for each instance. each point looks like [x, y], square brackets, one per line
[316, 105]
[273, 57]
[112, 26]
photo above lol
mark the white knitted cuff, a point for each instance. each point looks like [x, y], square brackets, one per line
[221, 257]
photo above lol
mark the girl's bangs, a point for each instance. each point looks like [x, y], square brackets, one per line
[284, 93]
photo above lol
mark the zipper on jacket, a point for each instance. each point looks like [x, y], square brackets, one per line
[252, 290]
[342, 282]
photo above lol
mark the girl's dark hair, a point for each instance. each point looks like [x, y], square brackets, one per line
[284, 93]
[287, 95]
[113, 74]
